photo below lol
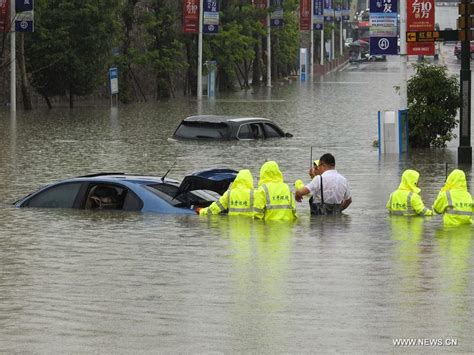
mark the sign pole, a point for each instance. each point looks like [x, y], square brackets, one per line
[403, 55]
[199, 68]
[340, 36]
[465, 149]
[311, 59]
[12, 58]
[269, 49]
[322, 47]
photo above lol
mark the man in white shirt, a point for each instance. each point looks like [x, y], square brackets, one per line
[330, 189]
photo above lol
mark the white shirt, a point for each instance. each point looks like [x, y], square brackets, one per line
[335, 187]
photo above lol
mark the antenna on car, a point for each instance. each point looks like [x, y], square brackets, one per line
[172, 166]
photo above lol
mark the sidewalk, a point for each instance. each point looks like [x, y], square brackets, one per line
[329, 66]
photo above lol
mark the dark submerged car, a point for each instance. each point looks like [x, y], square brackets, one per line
[117, 191]
[228, 127]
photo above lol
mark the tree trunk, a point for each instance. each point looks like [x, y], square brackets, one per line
[71, 100]
[25, 85]
[48, 101]
[257, 70]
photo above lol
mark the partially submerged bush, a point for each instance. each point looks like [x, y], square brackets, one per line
[433, 101]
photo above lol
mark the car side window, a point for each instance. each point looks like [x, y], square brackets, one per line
[59, 196]
[257, 132]
[271, 131]
[245, 132]
[111, 197]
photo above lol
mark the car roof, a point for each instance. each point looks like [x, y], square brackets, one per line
[120, 177]
[223, 119]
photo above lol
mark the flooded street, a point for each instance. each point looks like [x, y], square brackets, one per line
[113, 282]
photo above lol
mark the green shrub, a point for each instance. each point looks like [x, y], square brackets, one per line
[433, 101]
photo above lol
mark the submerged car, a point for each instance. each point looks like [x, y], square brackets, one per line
[227, 128]
[117, 191]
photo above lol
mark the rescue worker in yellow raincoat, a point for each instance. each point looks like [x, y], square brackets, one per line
[273, 198]
[238, 199]
[406, 200]
[454, 201]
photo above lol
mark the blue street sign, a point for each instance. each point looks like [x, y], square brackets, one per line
[210, 17]
[24, 22]
[383, 45]
[23, 5]
[113, 81]
[386, 6]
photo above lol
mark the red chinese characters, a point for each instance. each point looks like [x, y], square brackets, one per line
[190, 16]
[420, 17]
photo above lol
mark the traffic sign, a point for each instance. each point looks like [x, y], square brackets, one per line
[432, 36]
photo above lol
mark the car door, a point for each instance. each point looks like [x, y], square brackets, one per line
[62, 195]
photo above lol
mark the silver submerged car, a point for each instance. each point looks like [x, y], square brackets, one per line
[213, 127]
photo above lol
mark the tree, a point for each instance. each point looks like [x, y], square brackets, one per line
[71, 46]
[433, 101]
[164, 50]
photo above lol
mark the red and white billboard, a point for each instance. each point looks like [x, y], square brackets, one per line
[305, 15]
[4, 16]
[420, 17]
[190, 16]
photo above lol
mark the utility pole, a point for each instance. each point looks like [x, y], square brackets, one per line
[311, 59]
[12, 58]
[269, 48]
[464, 26]
[199, 68]
[403, 55]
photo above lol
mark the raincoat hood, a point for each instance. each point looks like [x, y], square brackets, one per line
[456, 180]
[244, 179]
[270, 172]
[410, 181]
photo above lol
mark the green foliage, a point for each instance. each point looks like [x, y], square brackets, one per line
[433, 101]
[286, 44]
[235, 42]
[164, 50]
[71, 45]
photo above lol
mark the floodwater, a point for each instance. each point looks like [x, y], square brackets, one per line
[82, 282]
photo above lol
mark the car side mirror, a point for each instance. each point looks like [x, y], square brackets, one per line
[288, 135]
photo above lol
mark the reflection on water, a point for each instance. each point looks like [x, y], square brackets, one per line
[77, 281]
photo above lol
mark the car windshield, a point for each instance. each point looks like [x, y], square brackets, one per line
[202, 130]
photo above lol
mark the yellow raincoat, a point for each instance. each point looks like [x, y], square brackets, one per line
[273, 198]
[406, 200]
[454, 201]
[238, 199]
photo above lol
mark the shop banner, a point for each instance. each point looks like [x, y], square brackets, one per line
[276, 17]
[318, 16]
[305, 15]
[210, 17]
[191, 16]
[383, 27]
[420, 17]
[328, 11]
